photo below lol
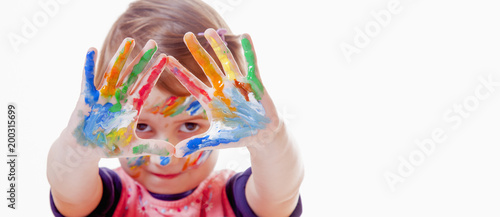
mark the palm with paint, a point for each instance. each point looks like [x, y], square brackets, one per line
[240, 111]
[106, 116]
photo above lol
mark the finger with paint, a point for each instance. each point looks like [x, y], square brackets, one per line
[110, 111]
[236, 104]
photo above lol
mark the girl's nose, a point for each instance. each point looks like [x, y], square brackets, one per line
[163, 161]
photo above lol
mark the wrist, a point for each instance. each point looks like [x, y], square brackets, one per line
[274, 137]
[67, 150]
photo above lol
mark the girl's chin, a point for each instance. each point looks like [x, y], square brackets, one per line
[167, 186]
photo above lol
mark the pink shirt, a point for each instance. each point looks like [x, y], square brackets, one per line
[208, 199]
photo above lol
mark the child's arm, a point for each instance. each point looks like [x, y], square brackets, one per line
[277, 172]
[242, 113]
[75, 182]
[103, 125]
[277, 169]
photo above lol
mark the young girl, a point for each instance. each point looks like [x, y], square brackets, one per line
[167, 135]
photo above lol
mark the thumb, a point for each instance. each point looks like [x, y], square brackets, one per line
[191, 145]
[150, 147]
[215, 138]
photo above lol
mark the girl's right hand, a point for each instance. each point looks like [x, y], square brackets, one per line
[105, 117]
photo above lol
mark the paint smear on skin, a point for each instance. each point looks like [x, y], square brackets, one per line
[223, 53]
[146, 89]
[196, 159]
[192, 161]
[164, 160]
[110, 126]
[146, 148]
[101, 127]
[203, 59]
[91, 93]
[195, 108]
[247, 120]
[112, 76]
[175, 105]
[136, 162]
[244, 88]
[187, 162]
[257, 86]
[140, 149]
[236, 109]
[200, 93]
[120, 94]
[104, 128]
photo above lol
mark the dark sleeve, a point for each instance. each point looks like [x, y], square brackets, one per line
[111, 192]
[235, 190]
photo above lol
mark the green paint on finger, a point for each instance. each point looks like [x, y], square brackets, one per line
[120, 94]
[255, 83]
[140, 149]
[139, 67]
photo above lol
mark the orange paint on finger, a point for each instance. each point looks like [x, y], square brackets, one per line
[203, 59]
[112, 76]
[243, 88]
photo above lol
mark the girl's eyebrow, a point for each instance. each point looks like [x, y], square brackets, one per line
[190, 118]
[145, 117]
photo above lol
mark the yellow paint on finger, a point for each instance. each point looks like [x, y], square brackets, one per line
[222, 53]
[203, 59]
[120, 137]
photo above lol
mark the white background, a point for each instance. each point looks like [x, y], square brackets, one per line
[354, 120]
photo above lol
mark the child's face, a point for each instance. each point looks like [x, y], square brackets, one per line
[171, 118]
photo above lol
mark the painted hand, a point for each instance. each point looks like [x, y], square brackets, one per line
[240, 111]
[106, 116]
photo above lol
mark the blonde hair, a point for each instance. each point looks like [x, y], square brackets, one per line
[166, 22]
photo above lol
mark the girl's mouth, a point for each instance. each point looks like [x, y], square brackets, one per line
[166, 176]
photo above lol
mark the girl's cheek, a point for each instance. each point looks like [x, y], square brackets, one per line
[134, 163]
[203, 127]
[196, 159]
[144, 135]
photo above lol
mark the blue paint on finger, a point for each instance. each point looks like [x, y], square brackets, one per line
[91, 94]
[247, 120]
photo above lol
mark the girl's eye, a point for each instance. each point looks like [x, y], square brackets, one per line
[189, 127]
[143, 128]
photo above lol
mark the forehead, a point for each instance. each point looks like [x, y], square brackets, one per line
[157, 95]
[167, 104]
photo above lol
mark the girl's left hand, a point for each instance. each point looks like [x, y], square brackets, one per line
[240, 111]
